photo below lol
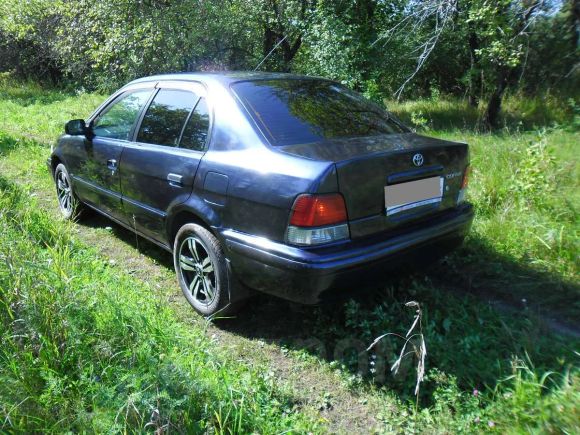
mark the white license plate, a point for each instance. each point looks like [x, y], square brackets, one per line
[405, 196]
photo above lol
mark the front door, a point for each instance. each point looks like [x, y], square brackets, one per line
[158, 169]
[96, 174]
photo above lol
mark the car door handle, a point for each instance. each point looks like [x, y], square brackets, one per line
[175, 179]
[112, 164]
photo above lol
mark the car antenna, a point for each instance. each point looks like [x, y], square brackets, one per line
[271, 51]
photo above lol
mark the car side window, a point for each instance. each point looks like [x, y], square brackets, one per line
[164, 120]
[117, 120]
[196, 130]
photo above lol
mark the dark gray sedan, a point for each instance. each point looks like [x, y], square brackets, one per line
[283, 184]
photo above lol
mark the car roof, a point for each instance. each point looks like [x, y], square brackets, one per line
[224, 77]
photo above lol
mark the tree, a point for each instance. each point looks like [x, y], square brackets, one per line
[495, 32]
[478, 48]
[503, 28]
[284, 23]
[28, 31]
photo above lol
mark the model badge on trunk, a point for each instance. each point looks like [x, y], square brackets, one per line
[418, 159]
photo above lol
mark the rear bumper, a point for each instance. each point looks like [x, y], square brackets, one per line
[302, 275]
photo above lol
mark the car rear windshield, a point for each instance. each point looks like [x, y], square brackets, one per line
[298, 111]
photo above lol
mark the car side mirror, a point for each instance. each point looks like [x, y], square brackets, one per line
[76, 127]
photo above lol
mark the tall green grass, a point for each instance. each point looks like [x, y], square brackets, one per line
[129, 351]
[525, 187]
[30, 110]
[84, 347]
[519, 113]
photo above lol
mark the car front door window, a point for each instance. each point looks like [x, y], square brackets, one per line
[117, 120]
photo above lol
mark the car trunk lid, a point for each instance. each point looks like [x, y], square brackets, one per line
[392, 180]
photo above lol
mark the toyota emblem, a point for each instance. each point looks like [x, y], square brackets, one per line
[418, 159]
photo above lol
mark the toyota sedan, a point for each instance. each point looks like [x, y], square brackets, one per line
[288, 185]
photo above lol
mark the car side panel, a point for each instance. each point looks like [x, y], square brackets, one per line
[261, 188]
[247, 185]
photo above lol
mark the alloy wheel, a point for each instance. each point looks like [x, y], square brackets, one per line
[197, 270]
[64, 192]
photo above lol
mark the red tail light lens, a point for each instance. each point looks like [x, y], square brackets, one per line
[466, 174]
[318, 210]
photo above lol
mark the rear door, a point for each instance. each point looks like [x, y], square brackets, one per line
[158, 168]
[95, 162]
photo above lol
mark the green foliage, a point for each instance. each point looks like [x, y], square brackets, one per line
[102, 45]
[495, 24]
[370, 45]
[419, 120]
[536, 176]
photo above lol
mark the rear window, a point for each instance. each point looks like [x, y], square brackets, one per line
[303, 111]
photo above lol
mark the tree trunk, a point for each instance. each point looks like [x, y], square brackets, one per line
[289, 50]
[276, 34]
[474, 73]
[575, 18]
[491, 117]
[269, 40]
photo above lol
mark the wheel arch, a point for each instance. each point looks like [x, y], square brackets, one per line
[188, 213]
[54, 162]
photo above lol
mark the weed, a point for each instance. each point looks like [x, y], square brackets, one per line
[419, 351]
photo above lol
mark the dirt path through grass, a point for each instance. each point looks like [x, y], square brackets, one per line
[319, 389]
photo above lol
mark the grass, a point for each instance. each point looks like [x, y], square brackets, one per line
[111, 366]
[86, 347]
[524, 184]
[519, 113]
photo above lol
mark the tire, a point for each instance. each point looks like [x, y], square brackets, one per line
[70, 206]
[202, 272]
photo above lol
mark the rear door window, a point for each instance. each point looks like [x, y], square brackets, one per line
[165, 118]
[298, 111]
[196, 130]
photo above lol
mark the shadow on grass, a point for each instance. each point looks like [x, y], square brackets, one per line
[158, 255]
[9, 143]
[468, 334]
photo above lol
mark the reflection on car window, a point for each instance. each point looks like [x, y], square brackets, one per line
[305, 111]
[166, 116]
[117, 120]
[195, 133]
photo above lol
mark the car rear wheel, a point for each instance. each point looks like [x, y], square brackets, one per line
[202, 271]
[70, 206]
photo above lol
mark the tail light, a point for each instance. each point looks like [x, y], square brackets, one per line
[464, 183]
[466, 174]
[317, 219]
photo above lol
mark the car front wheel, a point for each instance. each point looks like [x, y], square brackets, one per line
[202, 271]
[69, 204]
